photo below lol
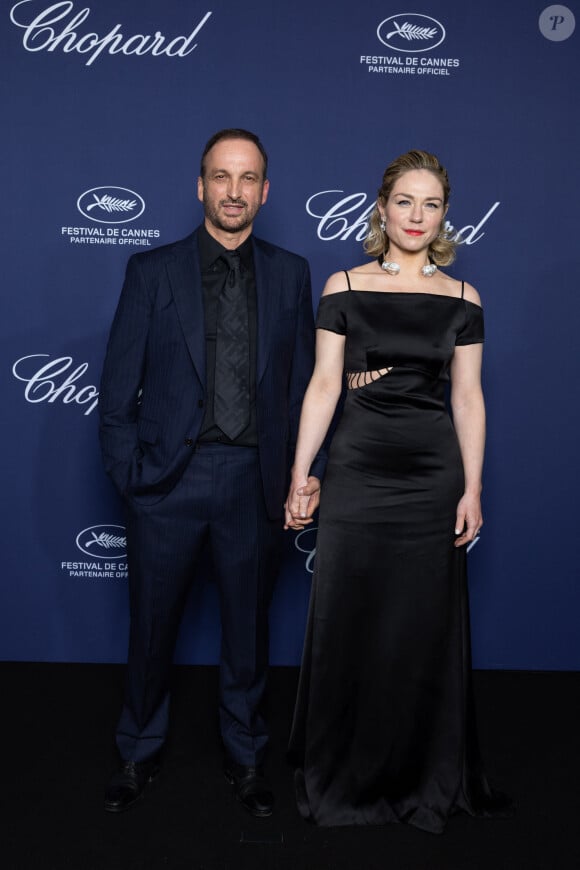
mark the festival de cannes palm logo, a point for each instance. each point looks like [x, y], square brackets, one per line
[103, 542]
[111, 205]
[410, 32]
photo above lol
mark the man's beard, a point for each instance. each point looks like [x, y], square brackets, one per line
[236, 225]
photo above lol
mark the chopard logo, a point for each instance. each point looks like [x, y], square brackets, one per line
[111, 205]
[41, 34]
[340, 217]
[472, 544]
[305, 542]
[410, 32]
[45, 384]
[103, 542]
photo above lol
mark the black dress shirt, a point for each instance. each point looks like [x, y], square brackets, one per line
[214, 272]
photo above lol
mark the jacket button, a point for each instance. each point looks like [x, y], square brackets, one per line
[200, 403]
[188, 442]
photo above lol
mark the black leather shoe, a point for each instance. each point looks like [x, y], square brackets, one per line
[251, 789]
[127, 785]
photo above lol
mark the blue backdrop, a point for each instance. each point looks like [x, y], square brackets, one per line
[106, 109]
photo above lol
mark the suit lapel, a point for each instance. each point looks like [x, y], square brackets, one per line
[184, 273]
[185, 278]
[267, 286]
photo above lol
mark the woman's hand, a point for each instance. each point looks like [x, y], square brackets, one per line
[469, 519]
[303, 499]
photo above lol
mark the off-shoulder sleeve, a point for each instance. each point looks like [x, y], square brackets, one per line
[472, 330]
[331, 314]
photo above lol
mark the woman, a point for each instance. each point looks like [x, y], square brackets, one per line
[383, 728]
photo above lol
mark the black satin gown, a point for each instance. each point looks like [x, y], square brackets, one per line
[384, 729]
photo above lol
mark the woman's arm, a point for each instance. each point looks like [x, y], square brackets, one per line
[468, 410]
[318, 409]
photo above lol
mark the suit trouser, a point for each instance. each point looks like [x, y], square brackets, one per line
[218, 502]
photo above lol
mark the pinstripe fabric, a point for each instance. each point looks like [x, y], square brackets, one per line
[180, 498]
[217, 503]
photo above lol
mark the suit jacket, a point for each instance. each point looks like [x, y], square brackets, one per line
[152, 391]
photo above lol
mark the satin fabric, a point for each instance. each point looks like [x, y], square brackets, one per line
[384, 729]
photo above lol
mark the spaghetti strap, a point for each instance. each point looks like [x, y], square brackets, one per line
[462, 288]
[347, 279]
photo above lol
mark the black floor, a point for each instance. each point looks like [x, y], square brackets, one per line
[58, 722]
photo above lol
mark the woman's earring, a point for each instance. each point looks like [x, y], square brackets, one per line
[383, 224]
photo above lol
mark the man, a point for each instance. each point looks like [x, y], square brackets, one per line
[209, 355]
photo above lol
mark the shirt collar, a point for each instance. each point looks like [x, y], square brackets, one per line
[211, 250]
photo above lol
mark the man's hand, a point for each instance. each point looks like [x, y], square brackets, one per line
[302, 501]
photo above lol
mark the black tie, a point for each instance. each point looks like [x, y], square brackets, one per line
[232, 366]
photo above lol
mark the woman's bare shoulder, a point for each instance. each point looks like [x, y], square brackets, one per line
[366, 269]
[453, 288]
[336, 283]
[471, 294]
[339, 282]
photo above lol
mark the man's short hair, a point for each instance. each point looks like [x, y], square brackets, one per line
[234, 133]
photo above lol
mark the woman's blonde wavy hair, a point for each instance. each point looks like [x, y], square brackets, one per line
[441, 249]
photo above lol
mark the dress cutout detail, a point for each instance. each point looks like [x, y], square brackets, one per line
[383, 728]
[356, 380]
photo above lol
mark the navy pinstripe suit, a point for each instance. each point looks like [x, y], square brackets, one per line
[179, 497]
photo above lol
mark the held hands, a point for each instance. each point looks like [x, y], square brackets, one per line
[469, 519]
[301, 503]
